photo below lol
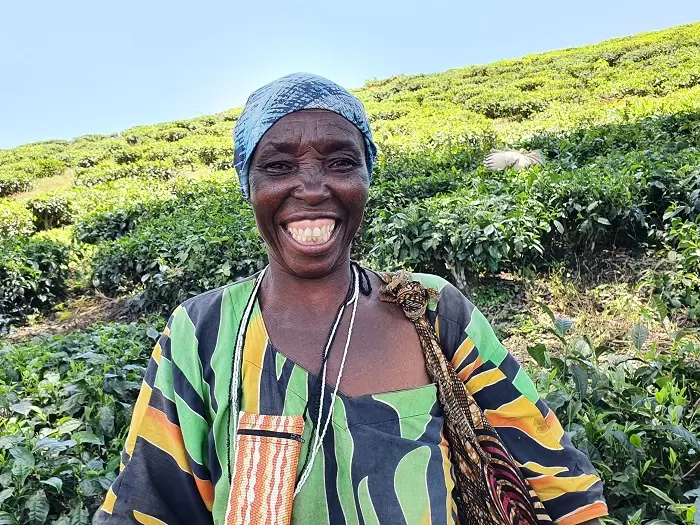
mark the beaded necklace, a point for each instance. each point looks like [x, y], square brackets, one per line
[319, 431]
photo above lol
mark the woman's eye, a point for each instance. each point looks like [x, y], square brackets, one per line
[278, 167]
[343, 164]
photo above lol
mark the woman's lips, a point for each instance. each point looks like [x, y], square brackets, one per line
[311, 232]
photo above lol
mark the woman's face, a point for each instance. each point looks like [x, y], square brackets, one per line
[308, 187]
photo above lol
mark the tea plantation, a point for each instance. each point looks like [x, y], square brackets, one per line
[589, 264]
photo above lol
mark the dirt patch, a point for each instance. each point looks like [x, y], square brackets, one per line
[75, 314]
[598, 292]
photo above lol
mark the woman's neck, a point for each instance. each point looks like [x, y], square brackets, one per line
[320, 294]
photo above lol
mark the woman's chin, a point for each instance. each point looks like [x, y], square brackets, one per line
[312, 263]
[315, 268]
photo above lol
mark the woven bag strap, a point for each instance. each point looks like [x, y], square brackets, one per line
[490, 488]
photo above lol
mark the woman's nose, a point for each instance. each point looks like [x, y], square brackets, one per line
[312, 187]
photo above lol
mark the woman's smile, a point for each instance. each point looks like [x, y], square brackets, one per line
[312, 232]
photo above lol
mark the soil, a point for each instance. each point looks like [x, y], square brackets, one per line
[75, 314]
[596, 291]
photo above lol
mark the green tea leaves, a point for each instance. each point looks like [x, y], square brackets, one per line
[37, 508]
[639, 335]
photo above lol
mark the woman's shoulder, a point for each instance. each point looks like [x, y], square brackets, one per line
[451, 299]
[458, 319]
[451, 303]
[452, 306]
[430, 281]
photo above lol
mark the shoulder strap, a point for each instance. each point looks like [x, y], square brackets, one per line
[490, 488]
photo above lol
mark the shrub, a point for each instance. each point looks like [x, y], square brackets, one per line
[636, 416]
[172, 134]
[597, 205]
[670, 133]
[14, 183]
[33, 274]
[50, 212]
[463, 233]
[205, 244]
[126, 155]
[88, 159]
[163, 170]
[111, 224]
[47, 168]
[65, 404]
[116, 219]
[115, 194]
[34, 168]
[156, 169]
[513, 104]
[15, 219]
[179, 155]
[677, 279]
[91, 176]
[461, 154]
[213, 150]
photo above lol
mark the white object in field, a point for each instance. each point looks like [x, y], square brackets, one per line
[499, 160]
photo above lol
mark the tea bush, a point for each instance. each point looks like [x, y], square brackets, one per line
[14, 183]
[47, 167]
[394, 194]
[65, 404]
[16, 177]
[126, 154]
[33, 274]
[636, 416]
[104, 173]
[115, 219]
[206, 244]
[111, 224]
[679, 282]
[465, 232]
[154, 169]
[112, 195]
[15, 219]
[50, 212]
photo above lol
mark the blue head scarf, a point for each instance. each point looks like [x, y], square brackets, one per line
[284, 96]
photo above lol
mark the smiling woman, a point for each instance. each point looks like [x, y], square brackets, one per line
[309, 184]
[305, 395]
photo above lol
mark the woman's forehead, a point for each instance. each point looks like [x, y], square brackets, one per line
[312, 124]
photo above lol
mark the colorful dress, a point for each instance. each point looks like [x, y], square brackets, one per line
[384, 459]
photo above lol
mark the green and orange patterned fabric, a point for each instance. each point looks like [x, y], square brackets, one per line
[384, 459]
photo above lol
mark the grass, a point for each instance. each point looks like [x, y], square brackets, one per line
[605, 312]
[48, 185]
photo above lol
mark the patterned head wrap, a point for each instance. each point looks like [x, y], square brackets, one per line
[284, 96]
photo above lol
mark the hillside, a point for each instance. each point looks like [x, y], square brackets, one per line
[589, 266]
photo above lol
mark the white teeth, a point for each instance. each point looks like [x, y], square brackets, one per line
[316, 235]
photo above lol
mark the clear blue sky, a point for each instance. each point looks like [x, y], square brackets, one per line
[73, 67]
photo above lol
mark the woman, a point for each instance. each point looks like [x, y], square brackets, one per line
[298, 394]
